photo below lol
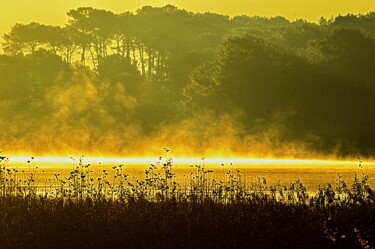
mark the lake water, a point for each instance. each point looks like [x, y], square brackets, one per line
[311, 172]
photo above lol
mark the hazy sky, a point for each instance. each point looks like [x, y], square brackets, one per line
[54, 11]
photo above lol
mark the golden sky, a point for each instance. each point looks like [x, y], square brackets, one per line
[54, 11]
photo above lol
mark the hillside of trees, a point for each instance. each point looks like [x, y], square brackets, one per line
[199, 83]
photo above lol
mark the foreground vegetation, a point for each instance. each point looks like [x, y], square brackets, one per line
[113, 210]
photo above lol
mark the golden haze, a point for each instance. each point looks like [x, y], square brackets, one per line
[53, 12]
[196, 142]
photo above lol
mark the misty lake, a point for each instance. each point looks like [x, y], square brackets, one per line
[311, 172]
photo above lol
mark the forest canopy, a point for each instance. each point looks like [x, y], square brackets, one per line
[199, 83]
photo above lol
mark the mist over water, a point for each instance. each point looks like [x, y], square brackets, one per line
[312, 173]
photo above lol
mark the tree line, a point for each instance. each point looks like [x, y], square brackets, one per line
[119, 77]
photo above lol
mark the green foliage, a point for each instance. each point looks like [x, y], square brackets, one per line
[160, 66]
[115, 69]
[265, 81]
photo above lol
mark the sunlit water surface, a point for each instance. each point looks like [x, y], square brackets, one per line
[311, 172]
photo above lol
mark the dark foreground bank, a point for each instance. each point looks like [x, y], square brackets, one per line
[38, 222]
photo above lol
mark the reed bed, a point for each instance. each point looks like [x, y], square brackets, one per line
[116, 210]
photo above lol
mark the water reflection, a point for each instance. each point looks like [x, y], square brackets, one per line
[311, 172]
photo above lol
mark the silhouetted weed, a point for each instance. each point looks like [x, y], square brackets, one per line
[115, 210]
